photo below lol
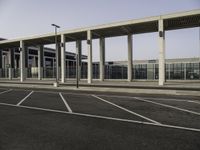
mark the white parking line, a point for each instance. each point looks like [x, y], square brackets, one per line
[24, 98]
[126, 110]
[169, 106]
[6, 91]
[161, 99]
[169, 99]
[102, 117]
[192, 101]
[118, 96]
[65, 102]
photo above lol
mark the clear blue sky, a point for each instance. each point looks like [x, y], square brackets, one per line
[20, 18]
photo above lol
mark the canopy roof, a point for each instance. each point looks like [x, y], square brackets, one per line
[173, 21]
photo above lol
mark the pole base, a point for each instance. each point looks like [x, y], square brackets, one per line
[56, 84]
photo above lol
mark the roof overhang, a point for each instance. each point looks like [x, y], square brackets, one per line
[173, 21]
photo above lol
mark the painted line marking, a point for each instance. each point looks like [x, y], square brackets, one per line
[192, 101]
[118, 96]
[161, 99]
[169, 106]
[102, 117]
[126, 109]
[178, 100]
[65, 102]
[25, 98]
[6, 91]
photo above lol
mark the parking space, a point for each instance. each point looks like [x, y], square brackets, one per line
[45, 100]
[191, 105]
[88, 104]
[159, 113]
[45, 119]
[35, 129]
[13, 96]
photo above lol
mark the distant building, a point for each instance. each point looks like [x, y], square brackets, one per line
[175, 69]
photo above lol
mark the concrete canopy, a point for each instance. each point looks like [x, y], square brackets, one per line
[173, 21]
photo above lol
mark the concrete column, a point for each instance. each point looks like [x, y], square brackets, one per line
[1, 64]
[89, 46]
[161, 52]
[22, 61]
[11, 63]
[59, 61]
[26, 62]
[63, 63]
[185, 71]
[169, 65]
[79, 53]
[54, 66]
[102, 59]
[40, 61]
[130, 57]
[34, 64]
[44, 66]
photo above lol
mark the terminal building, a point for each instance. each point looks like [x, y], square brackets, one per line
[29, 58]
[175, 69]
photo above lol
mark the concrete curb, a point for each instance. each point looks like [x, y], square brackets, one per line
[103, 89]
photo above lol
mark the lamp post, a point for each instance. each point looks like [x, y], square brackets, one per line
[199, 49]
[57, 65]
[77, 70]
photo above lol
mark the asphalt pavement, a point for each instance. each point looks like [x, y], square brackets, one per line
[47, 119]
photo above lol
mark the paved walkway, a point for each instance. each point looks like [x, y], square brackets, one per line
[148, 87]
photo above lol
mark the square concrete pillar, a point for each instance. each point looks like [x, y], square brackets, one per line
[1, 62]
[27, 69]
[161, 52]
[102, 58]
[130, 57]
[59, 61]
[40, 61]
[185, 71]
[63, 62]
[11, 63]
[79, 53]
[89, 47]
[22, 61]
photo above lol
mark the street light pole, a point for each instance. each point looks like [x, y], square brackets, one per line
[77, 70]
[199, 49]
[56, 47]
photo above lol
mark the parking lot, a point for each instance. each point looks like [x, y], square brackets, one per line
[33, 119]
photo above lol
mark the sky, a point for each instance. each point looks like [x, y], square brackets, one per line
[22, 18]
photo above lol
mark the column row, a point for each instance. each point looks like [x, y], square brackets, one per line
[60, 61]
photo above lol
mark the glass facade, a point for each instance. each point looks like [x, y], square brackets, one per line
[192, 71]
[115, 71]
[176, 69]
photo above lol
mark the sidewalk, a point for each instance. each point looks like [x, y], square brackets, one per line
[146, 87]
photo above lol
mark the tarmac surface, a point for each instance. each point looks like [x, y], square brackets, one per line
[180, 88]
[33, 119]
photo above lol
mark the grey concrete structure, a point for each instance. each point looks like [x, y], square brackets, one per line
[160, 24]
[161, 52]
[63, 63]
[89, 43]
[40, 61]
[11, 63]
[22, 61]
[1, 64]
[78, 54]
[130, 57]
[102, 58]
